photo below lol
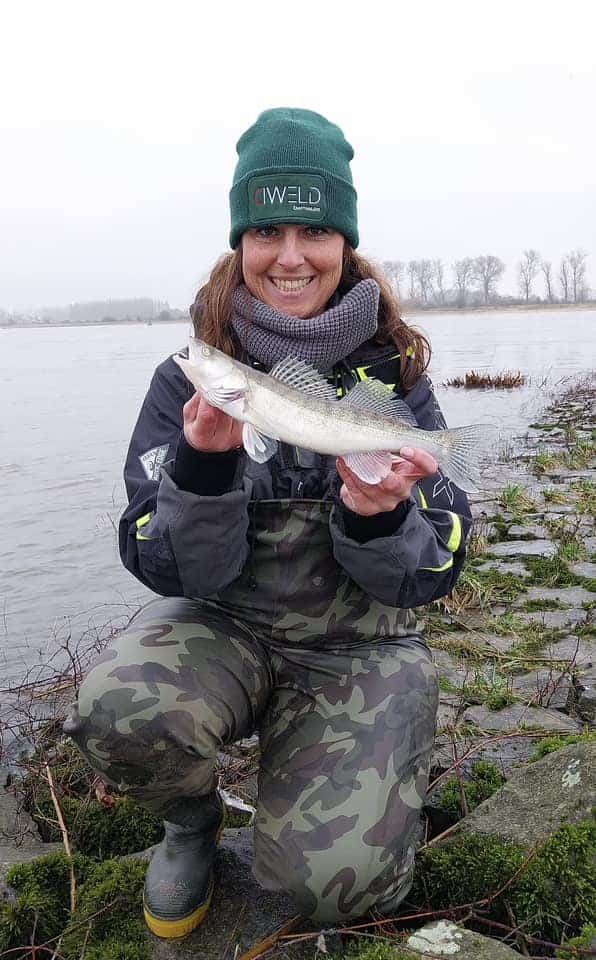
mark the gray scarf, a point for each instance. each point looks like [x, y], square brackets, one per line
[269, 336]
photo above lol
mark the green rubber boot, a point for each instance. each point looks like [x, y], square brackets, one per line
[179, 880]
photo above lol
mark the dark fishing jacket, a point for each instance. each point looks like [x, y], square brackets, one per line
[184, 532]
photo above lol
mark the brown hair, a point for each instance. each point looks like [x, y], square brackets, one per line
[212, 309]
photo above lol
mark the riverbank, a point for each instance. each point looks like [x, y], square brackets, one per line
[407, 308]
[515, 647]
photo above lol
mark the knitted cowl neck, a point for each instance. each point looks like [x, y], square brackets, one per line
[269, 336]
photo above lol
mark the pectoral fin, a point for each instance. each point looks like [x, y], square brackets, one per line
[370, 467]
[259, 447]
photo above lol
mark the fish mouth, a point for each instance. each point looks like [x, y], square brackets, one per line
[293, 285]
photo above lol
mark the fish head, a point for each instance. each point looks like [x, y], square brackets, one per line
[214, 374]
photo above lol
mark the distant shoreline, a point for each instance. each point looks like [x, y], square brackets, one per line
[410, 311]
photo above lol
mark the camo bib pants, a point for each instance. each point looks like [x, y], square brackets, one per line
[341, 689]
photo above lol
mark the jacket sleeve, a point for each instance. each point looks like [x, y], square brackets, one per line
[177, 542]
[421, 560]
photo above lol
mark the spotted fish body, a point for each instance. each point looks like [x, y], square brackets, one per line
[295, 404]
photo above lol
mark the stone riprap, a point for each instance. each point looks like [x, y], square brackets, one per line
[539, 797]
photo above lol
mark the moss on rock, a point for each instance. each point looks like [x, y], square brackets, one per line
[586, 941]
[551, 897]
[107, 922]
[485, 779]
[98, 830]
[551, 744]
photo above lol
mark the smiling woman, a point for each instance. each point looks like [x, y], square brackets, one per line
[294, 268]
[289, 582]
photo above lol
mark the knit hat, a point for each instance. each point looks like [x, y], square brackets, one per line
[293, 167]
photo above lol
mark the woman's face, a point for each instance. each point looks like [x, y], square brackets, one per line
[293, 268]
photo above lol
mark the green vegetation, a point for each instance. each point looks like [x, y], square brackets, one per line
[489, 688]
[98, 830]
[553, 896]
[550, 572]
[514, 499]
[545, 462]
[586, 494]
[485, 779]
[107, 921]
[586, 942]
[554, 495]
[551, 744]
[542, 604]
[481, 589]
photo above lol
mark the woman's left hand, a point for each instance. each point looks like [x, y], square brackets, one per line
[368, 499]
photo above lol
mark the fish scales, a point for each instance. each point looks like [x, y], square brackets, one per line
[334, 428]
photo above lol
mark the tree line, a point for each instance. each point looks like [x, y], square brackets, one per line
[474, 280]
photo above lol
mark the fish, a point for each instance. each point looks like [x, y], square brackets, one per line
[295, 404]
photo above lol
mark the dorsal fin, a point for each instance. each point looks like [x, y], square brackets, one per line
[374, 395]
[302, 376]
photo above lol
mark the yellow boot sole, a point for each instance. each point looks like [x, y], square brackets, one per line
[174, 929]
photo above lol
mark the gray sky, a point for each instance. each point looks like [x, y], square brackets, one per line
[472, 122]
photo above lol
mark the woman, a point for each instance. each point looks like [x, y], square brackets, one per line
[289, 585]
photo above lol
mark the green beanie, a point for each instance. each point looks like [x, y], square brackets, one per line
[293, 167]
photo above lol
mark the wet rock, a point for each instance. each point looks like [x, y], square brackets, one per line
[502, 644]
[520, 716]
[19, 838]
[584, 568]
[522, 548]
[506, 753]
[580, 651]
[506, 566]
[584, 699]
[449, 710]
[562, 474]
[445, 938]
[554, 619]
[574, 596]
[449, 667]
[527, 531]
[539, 797]
[544, 687]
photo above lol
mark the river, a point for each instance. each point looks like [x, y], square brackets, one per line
[69, 398]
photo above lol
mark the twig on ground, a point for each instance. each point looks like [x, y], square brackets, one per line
[65, 838]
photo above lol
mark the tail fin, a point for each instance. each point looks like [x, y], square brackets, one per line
[461, 454]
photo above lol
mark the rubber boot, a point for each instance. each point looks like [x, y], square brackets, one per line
[179, 880]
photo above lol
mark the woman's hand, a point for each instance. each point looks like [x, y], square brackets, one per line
[368, 499]
[208, 429]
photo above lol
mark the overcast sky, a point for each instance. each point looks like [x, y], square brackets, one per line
[472, 122]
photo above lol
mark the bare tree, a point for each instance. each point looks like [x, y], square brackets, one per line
[527, 270]
[394, 271]
[577, 265]
[547, 272]
[564, 276]
[425, 278]
[438, 281]
[487, 270]
[412, 279]
[464, 274]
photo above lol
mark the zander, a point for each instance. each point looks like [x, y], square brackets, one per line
[295, 404]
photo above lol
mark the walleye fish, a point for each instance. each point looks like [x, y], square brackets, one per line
[295, 404]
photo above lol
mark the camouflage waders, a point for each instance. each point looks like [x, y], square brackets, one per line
[340, 687]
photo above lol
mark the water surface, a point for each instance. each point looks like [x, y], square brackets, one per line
[69, 398]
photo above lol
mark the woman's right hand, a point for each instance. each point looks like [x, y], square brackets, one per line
[208, 429]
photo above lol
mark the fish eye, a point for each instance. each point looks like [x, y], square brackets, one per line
[205, 352]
